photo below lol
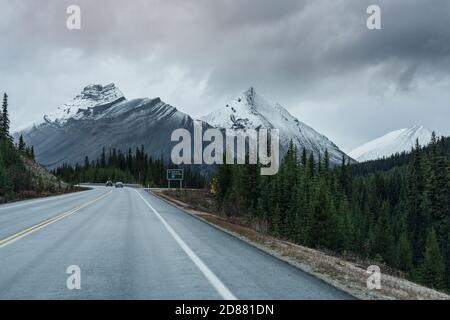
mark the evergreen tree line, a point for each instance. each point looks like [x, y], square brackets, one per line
[14, 176]
[387, 163]
[128, 167]
[394, 212]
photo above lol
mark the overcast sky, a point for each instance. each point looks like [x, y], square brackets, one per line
[314, 57]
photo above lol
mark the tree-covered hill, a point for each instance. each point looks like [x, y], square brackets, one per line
[20, 176]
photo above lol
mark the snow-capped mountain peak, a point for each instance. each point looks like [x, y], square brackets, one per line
[100, 117]
[249, 110]
[92, 96]
[394, 142]
[243, 112]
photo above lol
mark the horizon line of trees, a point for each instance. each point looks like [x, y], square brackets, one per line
[394, 211]
[129, 167]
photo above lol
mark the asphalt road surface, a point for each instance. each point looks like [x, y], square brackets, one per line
[129, 244]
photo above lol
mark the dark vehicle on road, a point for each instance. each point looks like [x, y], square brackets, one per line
[119, 185]
[109, 183]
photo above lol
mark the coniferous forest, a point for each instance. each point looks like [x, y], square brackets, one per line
[394, 211]
[128, 167]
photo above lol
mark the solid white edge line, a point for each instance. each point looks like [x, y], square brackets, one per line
[209, 275]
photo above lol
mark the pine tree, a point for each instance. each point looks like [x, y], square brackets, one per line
[417, 215]
[326, 161]
[383, 241]
[311, 165]
[304, 158]
[432, 266]
[345, 233]
[248, 186]
[103, 158]
[4, 125]
[447, 261]
[345, 177]
[301, 210]
[322, 222]
[21, 145]
[2, 133]
[224, 182]
[436, 190]
[277, 222]
[262, 205]
[86, 162]
[404, 259]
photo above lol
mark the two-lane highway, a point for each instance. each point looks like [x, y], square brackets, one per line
[129, 244]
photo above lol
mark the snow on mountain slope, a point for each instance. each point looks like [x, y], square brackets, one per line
[101, 117]
[391, 143]
[91, 96]
[251, 111]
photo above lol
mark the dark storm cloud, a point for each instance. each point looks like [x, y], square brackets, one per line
[315, 57]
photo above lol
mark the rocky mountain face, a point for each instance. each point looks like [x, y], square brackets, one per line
[391, 143]
[102, 117]
[249, 110]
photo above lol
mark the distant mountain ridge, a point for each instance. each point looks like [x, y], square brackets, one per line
[101, 116]
[394, 142]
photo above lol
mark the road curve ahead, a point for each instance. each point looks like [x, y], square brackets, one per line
[128, 244]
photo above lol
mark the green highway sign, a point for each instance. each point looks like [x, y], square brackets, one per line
[175, 174]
